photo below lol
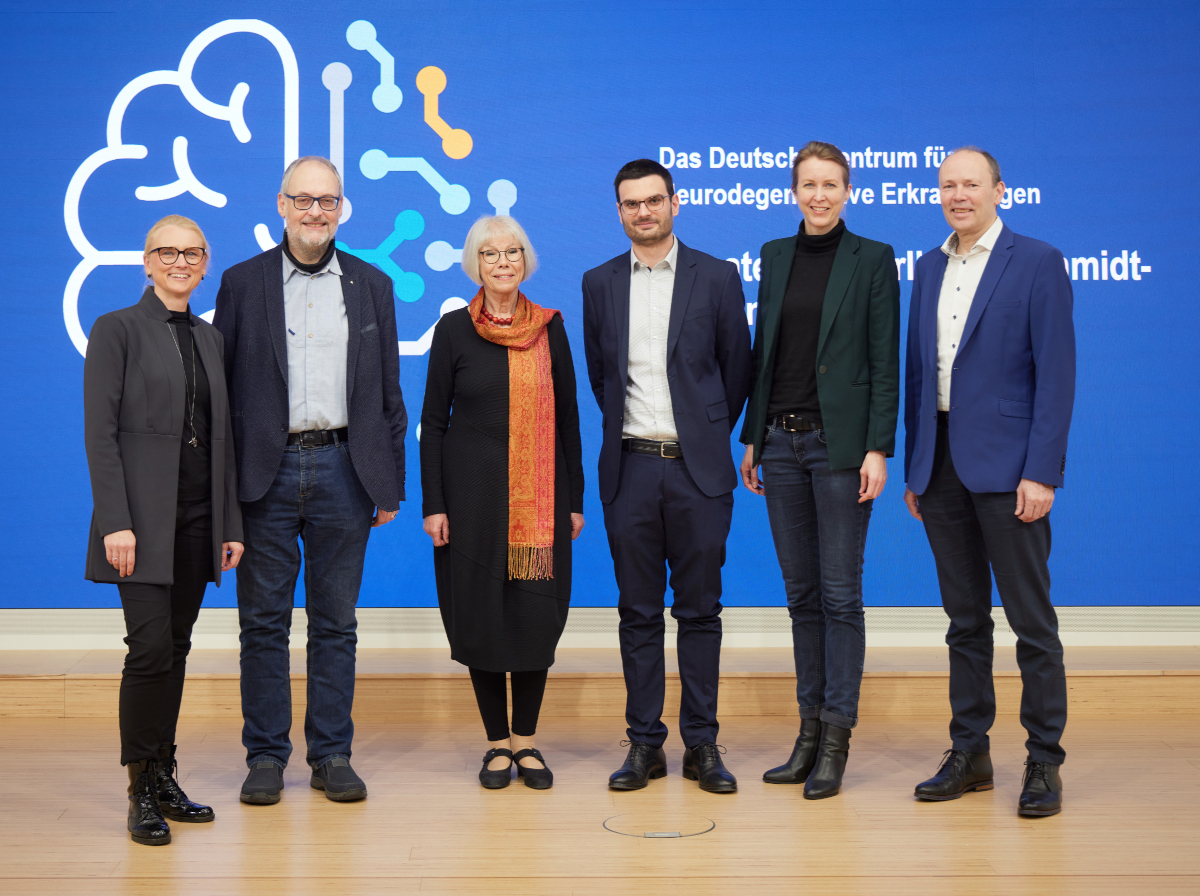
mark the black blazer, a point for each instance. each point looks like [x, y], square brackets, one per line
[133, 388]
[250, 315]
[858, 348]
[708, 363]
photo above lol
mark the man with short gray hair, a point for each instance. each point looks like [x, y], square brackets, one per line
[990, 383]
[319, 425]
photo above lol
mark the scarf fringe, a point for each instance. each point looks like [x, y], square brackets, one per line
[527, 561]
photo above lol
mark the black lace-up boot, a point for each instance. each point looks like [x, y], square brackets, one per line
[146, 823]
[959, 773]
[172, 800]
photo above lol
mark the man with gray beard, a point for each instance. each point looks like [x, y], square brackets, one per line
[319, 425]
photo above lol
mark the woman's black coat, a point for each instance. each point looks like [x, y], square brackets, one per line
[133, 411]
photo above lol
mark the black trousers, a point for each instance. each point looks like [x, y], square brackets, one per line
[974, 536]
[491, 693]
[158, 625]
[660, 518]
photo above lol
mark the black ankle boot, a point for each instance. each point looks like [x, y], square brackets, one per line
[146, 823]
[804, 756]
[172, 800]
[826, 777]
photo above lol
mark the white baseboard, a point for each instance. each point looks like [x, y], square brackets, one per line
[413, 627]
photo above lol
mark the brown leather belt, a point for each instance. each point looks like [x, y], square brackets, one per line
[314, 437]
[669, 450]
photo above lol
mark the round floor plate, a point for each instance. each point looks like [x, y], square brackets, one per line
[659, 825]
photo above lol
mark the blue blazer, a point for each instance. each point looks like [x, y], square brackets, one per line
[708, 363]
[250, 316]
[1013, 383]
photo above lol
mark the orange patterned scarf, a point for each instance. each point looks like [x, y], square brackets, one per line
[530, 435]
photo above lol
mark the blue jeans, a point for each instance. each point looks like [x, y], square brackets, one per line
[820, 533]
[316, 497]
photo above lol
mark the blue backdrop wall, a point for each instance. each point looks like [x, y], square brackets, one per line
[115, 114]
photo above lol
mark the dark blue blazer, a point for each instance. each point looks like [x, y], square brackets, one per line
[250, 316]
[708, 363]
[1013, 384]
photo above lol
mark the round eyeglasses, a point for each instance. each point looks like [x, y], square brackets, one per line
[631, 206]
[169, 254]
[304, 203]
[491, 256]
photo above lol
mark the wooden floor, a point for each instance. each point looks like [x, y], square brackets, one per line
[1131, 784]
[1132, 794]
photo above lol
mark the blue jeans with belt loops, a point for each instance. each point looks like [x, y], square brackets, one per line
[316, 499]
[820, 533]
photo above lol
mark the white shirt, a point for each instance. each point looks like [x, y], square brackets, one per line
[648, 411]
[318, 339]
[963, 273]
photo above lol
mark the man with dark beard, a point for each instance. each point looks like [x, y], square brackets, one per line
[319, 425]
[668, 356]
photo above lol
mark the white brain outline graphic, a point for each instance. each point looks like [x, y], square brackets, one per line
[187, 182]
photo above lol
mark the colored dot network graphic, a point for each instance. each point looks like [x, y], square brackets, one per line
[374, 164]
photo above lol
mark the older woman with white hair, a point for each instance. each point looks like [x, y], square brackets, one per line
[502, 484]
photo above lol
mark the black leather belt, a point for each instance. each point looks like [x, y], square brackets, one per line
[649, 446]
[315, 437]
[792, 423]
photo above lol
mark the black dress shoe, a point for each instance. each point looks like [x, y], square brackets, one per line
[703, 763]
[826, 778]
[339, 781]
[535, 778]
[172, 800]
[263, 785]
[501, 777]
[959, 773]
[1041, 791]
[146, 824]
[803, 758]
[643, 763]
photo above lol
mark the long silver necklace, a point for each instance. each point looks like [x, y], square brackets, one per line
[192, 413]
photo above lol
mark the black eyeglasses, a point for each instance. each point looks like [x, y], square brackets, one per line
[491, 256]
[631, 206]
[169, 254]
[304, 203]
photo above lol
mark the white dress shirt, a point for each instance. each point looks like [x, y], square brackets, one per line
[963, 273]
[318, 340]
[648, 411]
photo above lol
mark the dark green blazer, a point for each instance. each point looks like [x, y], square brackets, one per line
[858, 350]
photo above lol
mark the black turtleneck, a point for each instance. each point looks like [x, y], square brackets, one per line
[309, 268]
[195, 470]
[794, 384]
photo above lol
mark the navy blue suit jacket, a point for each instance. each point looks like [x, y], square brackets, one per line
[1013, 383]
[250, 315]
[708, 363]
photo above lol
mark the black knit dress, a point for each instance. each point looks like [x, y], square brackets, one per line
[493, 623]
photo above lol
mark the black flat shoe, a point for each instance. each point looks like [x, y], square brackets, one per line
[959, 773]
[702, 763]
[1041, 791]
[146, 824]
[263, 785]
[339, 781]
[826, 777]
[535, 778]
[643, 763]
[804, 756]
[501, 777]
[172, 800]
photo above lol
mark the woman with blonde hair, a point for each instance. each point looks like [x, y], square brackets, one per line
[821, 421]
[502, 484]
[166, 520]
